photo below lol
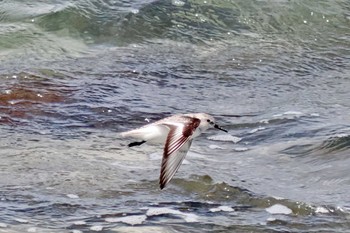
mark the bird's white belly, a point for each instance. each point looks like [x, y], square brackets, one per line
[153, 133]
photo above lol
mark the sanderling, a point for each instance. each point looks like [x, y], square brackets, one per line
[176, 132]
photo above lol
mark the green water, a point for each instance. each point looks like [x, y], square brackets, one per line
[73, 74]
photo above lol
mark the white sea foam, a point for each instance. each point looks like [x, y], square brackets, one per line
[264, 121]
[241, 149]
[96, 228]
[161, 210]
[222, 208]
[225, 138]
[79, 223]
[341, 135]
[215, 147]
[278, 198]
[142, 229]
[73, 196]
[321, 210]
[20, 220]
[278, 209]
[257, 129]
[178, 3]
[288, 113]
[293, 113]
[188, 217]
[131, 220]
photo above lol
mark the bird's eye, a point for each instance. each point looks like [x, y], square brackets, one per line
[210, 122]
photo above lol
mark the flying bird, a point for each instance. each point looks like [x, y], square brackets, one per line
[176, 133]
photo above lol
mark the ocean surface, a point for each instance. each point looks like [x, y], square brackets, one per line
[76, 73]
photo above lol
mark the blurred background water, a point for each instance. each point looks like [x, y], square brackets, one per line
[73, 74]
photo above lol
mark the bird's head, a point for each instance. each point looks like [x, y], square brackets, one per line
[207, 121]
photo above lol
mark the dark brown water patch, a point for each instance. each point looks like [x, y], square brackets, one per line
[25, 95]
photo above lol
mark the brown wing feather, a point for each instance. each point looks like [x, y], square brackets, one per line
[177, 144]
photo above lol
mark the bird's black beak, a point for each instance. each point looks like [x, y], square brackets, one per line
[218, 127]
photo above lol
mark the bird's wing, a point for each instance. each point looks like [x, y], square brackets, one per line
[177, 144]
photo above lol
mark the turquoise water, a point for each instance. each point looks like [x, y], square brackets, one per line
[73, 74]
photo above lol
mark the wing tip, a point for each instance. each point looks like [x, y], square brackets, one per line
[163, 181]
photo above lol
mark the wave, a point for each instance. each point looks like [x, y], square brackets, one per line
[329, 147]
